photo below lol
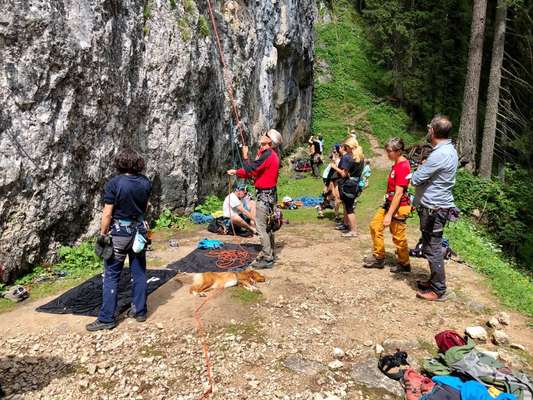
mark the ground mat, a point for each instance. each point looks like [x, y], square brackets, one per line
[204, 261]
[86, 298]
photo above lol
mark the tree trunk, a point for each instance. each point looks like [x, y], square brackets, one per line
[467, 128]
[493, 95]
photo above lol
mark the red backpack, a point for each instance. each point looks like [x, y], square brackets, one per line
[448, 339]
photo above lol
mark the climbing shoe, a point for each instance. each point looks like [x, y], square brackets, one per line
[138, 317]
[430, 295]
[100, 326]
[262, 264]
[373, 262]
[16, 294]
[400, 269]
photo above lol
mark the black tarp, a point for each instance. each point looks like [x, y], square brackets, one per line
[199, 261]
[86, 298]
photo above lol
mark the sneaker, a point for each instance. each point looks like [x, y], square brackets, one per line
[400, 269]
[138, 317]
[430, 295]
[99, 326]
[342, 227]
[423, 285]
[373, 262]
[262, 264]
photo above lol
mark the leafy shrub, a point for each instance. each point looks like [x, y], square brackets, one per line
[210, 205]
[78, 259]
[503, 207]
[172, 4]
[203, 27]
[169, 220]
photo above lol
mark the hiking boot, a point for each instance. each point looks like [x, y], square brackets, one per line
[423, 285]
[430, 295]
[138, 317]
[373, 262]
[99, 326]
[262, 264]
[400, 269]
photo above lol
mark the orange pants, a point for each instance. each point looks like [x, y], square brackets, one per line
[398, 228]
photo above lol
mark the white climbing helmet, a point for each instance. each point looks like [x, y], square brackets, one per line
[275, 136]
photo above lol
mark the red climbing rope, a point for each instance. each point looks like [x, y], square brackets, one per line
[227, 77]
[227, 259]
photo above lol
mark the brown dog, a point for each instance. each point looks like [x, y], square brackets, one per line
[206, 281]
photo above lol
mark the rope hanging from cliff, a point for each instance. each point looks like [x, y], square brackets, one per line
[227, 77]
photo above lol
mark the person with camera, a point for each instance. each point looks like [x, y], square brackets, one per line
[434, 181]
[126, 201]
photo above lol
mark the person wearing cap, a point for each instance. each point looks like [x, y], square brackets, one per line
[264, 170]
[240, 209]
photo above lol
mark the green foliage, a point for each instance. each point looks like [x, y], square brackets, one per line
[169, 220]
[189, 6]
[147, 10]
[172, 4]
[203, 27]
[425, 59]
[210, 205]
[347, 84]
[185, 30]
[78, 259]
[475, 247]
[504, 208]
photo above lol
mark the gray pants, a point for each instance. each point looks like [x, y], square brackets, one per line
[432, 224]
[264, 207]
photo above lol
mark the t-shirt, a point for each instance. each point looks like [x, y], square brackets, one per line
[129, 195]
[231, 204]
[353, 167]
[398, 177]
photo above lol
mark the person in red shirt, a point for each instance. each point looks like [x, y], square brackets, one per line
[393, 213]
[264, 170]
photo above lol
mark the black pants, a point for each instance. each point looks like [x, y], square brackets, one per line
[432, 224]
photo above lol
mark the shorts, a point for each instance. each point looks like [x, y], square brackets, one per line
[348, 204]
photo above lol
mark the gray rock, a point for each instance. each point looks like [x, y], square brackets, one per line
[391, 345]
[477, 332]
[504, 318]
[493, 322]
[82, 78]
[335, 364]
[500, 338]
[367, 373]
[173, 243]
[476, 307]
[303, 366]
[518, 346]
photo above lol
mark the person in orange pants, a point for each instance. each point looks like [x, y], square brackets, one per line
[393, 213]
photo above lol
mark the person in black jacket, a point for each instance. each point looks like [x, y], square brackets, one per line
[126, 201]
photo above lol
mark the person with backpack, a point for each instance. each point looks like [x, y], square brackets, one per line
[126, 201]
[394, 212]
[265, 171]
[350, 169]
[434, 181]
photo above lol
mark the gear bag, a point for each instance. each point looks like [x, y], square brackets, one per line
[448, 339]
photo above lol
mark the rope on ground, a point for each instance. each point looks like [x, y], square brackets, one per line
[229, 259]
[205, 346]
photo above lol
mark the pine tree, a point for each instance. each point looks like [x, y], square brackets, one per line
[491, 113]
[468, 125]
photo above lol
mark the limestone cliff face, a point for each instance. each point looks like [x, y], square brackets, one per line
[80, 78]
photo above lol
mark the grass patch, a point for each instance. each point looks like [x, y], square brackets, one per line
[245, 296]
[247, 330]
[189, 6]
[185, 30]
[514, 288]
[346, 84]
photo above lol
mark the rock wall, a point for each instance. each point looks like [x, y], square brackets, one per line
[80, 78]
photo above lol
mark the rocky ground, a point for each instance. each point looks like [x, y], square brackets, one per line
[312, 333]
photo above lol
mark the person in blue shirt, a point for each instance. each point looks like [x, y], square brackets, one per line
[434, 181]
[126, 201]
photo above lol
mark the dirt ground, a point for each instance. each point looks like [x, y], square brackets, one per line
[277, 345]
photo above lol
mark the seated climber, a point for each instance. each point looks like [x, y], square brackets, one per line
[240, 209]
